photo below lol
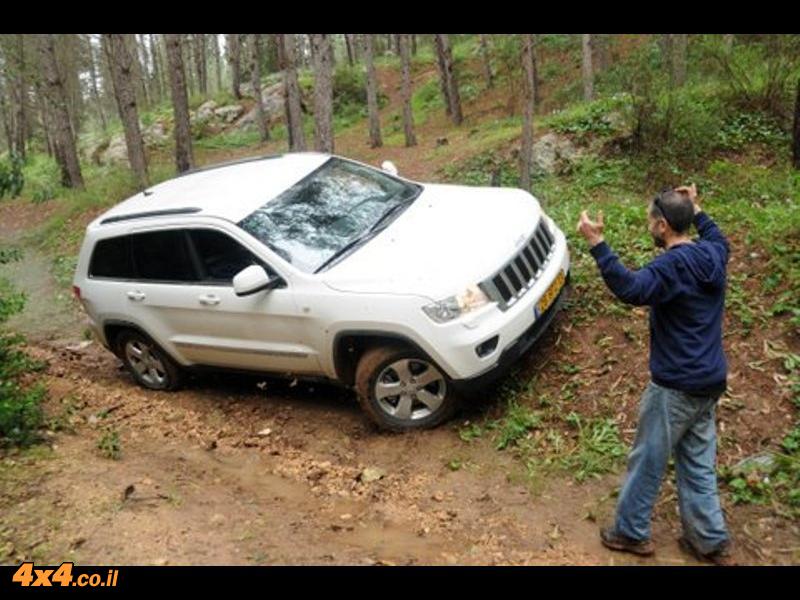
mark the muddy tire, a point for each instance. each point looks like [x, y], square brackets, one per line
[150, 366]
[401, 390]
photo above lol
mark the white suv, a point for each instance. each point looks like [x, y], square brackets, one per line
[316, 266]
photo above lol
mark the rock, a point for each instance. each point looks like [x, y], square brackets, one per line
[441, 141]
[229, 113]
[272, 99]
[217, 519]
[77, 348]
[116, 152]
[206, 111]
[762, 463]
[438, 497]
[264, 432]
[552, 153]
[370, 474]
[155, 134]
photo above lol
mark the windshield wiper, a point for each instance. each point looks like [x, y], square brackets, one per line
[379, 225]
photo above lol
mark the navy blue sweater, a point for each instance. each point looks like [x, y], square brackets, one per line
[685, 288]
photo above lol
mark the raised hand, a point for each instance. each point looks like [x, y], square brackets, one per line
[691, 191]
[591, 230]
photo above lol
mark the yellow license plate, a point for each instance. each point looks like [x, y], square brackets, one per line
[547, 298]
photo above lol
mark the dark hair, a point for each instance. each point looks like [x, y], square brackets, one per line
[675, 208]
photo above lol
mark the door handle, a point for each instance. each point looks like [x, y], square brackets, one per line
[209, 300]
[136, 296]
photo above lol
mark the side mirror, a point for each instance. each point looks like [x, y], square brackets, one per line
[253, 279]
[389, 167]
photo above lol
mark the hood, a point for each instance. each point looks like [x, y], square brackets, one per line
[450, 237]
[704, 262]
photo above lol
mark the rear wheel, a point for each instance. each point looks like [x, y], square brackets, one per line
[401, 390]
[149, 365]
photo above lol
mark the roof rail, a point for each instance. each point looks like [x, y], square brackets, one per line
[229, 163]
[152, 213]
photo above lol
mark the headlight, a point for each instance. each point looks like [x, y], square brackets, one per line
[455, 306]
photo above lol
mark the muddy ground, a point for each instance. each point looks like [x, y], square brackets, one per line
[250, 470]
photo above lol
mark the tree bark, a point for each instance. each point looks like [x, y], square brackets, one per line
[291, 93]
[443, 82]
[375, 140]
[487, 63]
[234, 60]
[536, 81]
[796, 135]
[348, 43]
[93, 78]
[5, 115]
[255, 74]
[678, 73]
[413, 44]
[408, 115]
[121, 64]
[184, 159]
[217, 63]
[21, 100]
[443, 44]
[200, 62]
[528, 84]
[138, 71]
[44, 114]
[323, 92]
[70, 166]
[727, 41]
[587, 70]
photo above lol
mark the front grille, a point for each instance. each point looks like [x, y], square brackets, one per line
[519, 274]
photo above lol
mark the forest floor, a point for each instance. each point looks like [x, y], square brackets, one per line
[251, 470]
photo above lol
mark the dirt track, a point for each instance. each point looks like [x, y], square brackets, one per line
[246, 470]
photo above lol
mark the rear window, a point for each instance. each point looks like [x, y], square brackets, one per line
[112, 258]
[162, 256]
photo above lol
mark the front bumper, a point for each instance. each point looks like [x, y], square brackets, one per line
[512, 352]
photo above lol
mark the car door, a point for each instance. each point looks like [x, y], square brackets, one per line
[207, 323]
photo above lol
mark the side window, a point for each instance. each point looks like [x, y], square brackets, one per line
[163, 256]
[221, 257]
[112, 258]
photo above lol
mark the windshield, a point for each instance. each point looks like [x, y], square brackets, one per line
[330, 208]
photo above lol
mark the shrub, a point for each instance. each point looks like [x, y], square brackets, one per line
[12, 179]
[42, 177]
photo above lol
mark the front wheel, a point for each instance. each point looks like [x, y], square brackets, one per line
[401, 390]
[150, 366]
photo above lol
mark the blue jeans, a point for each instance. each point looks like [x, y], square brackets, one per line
[672, 422]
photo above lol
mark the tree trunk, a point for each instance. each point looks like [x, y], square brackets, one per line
[443, 45]
[678, 73]
[291, 93]
[184, 160]
[234, 60]
[95, 92]
[587, 70]
[487, 63]
[44, 114]
[375, 140]
[323, 92]
[70, 166]
[443, 83]
[217, 63]
[527, 111]
[796, 136]
[537, 84]
[408, 116]
[348, 44]
[121, 64]
[727, 41]
[255, 74]
[138, 71]
[601, 51]
[6, 116]
[200, 62]
[413, 44]
[21, 92]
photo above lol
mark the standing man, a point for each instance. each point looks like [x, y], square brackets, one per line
[685, 289]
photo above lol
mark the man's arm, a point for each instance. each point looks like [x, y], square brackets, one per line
[708, 231]
[649, 285]
[706, 227]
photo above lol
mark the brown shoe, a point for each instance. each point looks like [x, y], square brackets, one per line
[615, 541]
[720, 557]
